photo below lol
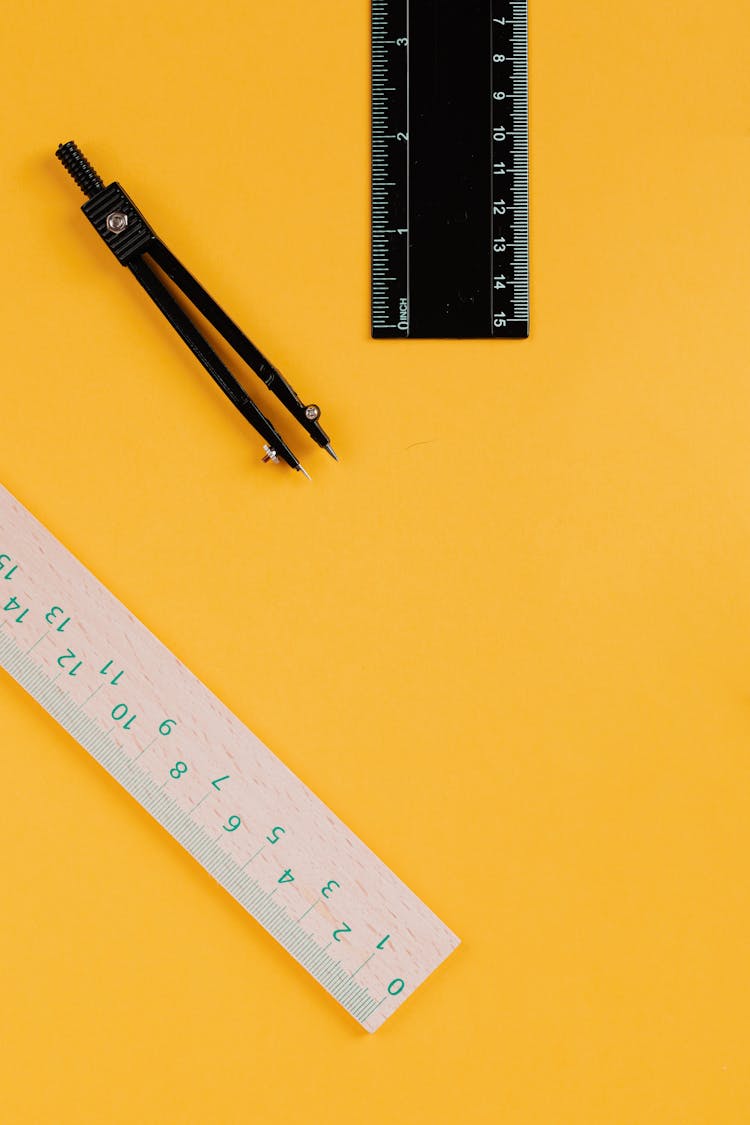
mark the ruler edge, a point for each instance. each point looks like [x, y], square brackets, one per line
[225, 863]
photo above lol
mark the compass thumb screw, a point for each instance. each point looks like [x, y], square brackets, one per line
[76, 164]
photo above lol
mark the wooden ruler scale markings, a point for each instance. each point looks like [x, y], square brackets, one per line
[201, 773]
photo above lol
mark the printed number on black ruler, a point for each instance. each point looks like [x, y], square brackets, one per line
[450, 251]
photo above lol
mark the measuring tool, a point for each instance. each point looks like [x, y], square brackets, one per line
[278, 850]
[450, 199]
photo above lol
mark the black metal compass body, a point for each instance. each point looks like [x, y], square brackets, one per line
[123, 228]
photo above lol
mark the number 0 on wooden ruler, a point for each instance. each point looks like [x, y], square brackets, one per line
[207, 779]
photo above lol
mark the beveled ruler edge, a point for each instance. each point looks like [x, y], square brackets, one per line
[139, 784]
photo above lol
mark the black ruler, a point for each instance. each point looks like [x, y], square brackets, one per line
[450, 198]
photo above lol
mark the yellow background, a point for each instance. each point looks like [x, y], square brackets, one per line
[507, 638]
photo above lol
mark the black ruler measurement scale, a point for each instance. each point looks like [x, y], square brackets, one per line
[450, 200]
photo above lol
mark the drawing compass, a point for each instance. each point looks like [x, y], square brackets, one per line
[120, 224]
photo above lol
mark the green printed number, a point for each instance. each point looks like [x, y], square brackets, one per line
[66, 658]
[52, 616]
[381, 944]
[287, 877]
[105, 672]
[232, 824]
[329, 888]
[177, 770]
[13, 605]
[5, 560]
[276, 834]
[344, 929]
[167, 726]
[396, 986]
[120, 713]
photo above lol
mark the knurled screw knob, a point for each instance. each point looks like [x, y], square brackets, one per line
[77, 166]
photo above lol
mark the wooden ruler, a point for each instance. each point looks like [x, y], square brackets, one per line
[450, 199]
[286, 858]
